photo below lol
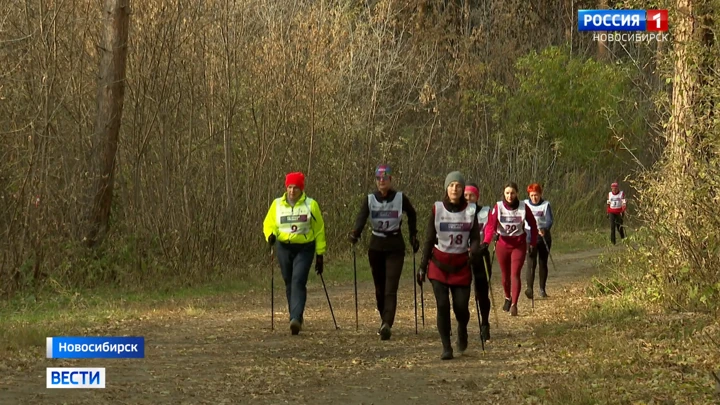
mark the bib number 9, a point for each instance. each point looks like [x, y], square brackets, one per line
[293, 228]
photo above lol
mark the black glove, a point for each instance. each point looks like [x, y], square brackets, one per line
[421, 275]
[353, 238]
[415, 243]
[271, 240]
[483, 247]
[319, 267]
[532, 250]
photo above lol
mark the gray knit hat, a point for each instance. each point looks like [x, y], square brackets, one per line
[454, 176]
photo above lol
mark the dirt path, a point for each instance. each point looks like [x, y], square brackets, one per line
[224, 352]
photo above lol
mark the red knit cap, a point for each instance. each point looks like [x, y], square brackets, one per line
[295, 179]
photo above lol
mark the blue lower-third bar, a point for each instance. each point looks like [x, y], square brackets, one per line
[95, 347]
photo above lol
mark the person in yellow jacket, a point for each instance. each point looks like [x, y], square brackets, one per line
[295, 222]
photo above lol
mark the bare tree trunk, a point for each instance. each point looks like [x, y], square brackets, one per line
[602, 45]
[111, 91]
[684, 87]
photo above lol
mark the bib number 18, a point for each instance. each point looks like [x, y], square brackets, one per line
[456, 239]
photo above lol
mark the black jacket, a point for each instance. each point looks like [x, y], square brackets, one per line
[391, 242]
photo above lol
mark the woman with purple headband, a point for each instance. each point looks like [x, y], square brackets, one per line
[386, 252]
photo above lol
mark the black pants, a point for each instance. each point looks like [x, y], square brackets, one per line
[460, 300]
[616, 222]
[386, 270]
[482, 286]
[542, 252]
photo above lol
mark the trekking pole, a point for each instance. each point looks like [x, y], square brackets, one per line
[532, 302]
[532, 297]
[477, 309]
[549, 254]
[422, 305]
[415, 293]
[487, 273]
[328, 300]
[272, 292]
[488, 267]
[356, 295]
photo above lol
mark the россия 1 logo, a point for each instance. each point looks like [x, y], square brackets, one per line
[638, 25]
[623, 20]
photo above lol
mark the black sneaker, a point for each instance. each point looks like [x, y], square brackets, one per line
[506, 306]
[529, 293]
[385, 332]
[295, 326]
[447, 354]
[543, 294]
[485, 332]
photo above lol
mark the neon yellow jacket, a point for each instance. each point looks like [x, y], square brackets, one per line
[317, 228]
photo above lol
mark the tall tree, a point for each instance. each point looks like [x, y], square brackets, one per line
[685, 81]
[110, 95]
[602, 45]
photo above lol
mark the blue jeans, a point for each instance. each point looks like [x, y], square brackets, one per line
[295, 261]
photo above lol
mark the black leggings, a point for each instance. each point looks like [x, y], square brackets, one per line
[543, 252]
[482, 287]
[386, 270]
[460, 300]
[616, 222]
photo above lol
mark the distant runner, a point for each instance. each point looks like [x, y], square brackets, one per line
[616, 204]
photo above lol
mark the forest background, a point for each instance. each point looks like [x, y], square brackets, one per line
[142, 145]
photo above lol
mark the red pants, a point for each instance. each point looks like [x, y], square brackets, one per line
[511, 262]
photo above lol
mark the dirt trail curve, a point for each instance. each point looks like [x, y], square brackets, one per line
[225, 353]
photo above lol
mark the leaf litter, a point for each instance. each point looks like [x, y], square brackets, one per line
[226, 353]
